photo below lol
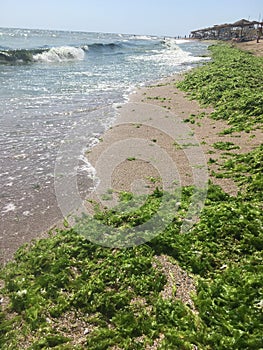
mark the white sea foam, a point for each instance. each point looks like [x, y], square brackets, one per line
[182, 41]
[171, 43]
[87, 167]
[59, 54]
[172, 56]
[143, 37]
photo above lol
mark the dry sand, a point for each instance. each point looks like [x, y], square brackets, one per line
[175, 106]
[252, 46]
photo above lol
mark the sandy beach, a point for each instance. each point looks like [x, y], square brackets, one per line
[138, 141]
[184, 286]
[252, 46]
[169, 98]
[177, 107]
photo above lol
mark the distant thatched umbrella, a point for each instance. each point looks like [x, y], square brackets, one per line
[225, 30]
[220, 26]
[242, 23]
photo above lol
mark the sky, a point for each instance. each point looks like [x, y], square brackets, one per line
[148, 17]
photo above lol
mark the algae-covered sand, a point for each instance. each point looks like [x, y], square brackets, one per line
[195, 290]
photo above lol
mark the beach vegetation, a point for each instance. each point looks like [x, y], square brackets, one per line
[189, 144]
[159, 98]
[190, 119]
[116, 293]
[154, 180]
[137, 125]
[177, 145]
[66, 292]
[225, 145]
[106, 197]
[232, 84]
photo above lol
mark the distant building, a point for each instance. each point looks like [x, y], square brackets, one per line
[242, 30]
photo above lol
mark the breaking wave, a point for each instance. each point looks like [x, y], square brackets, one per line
[156, 48]
[102, 46]
[54, 54]
[60, 54]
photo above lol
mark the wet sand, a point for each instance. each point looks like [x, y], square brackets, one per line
[41, 214]
[136, 169]
[175, 105]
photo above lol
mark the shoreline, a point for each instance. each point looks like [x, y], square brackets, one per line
[165, 95]
[20, 230]
[128, 126]
[168, 98]
[72, 289]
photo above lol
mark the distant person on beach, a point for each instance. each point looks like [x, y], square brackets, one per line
[259, 33]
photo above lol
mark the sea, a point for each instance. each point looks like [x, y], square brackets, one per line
[51, 81]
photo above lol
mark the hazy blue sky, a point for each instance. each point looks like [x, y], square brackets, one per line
[164, 17]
